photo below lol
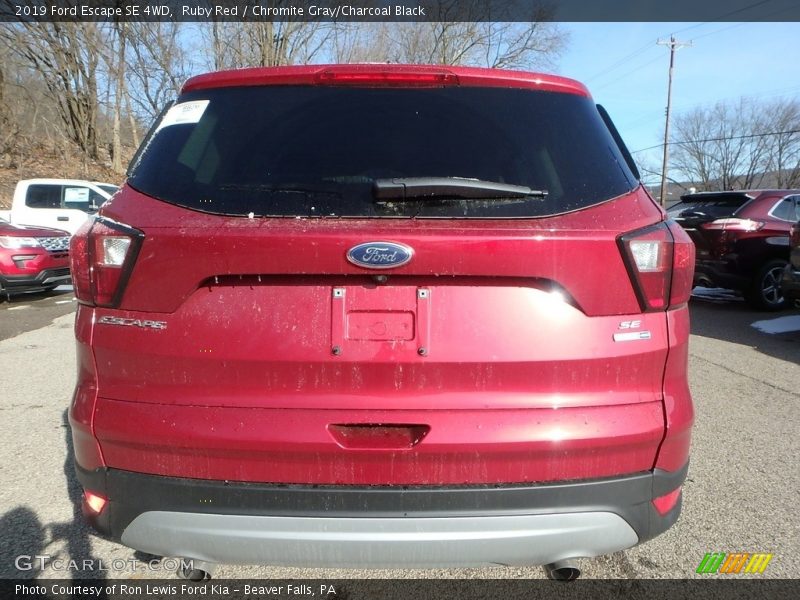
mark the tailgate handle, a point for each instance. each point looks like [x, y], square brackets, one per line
[62, 218]
[378, 436]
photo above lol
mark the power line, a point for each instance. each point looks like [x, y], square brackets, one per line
[626, 74]
[649, 44]
[636, 52]
[720, 30]
[621, 61]
[728, 14]
[719, 139]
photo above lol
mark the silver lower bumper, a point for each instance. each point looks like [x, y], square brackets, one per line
[56, 279]
[379, 542]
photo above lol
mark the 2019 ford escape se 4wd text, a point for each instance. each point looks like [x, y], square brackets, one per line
[382, 315]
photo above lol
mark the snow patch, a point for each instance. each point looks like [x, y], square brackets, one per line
[779, 325]
[715, 294]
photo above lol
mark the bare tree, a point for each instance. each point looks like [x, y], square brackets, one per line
[741, 145]
[65, 56]
[24, 99]
[523, 45]
[486, 44]
[264, 44]
[465, 34]
[360, 42]
[158, 62]
[119, 93]
[785, 149]
[693, 155]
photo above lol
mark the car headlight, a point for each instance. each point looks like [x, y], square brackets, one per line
[16, 243]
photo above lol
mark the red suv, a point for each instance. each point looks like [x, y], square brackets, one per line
[32, 259]
[382, 315]
[742, 240]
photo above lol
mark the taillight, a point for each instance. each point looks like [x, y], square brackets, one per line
[733, 224]
[373, 77]
[682, 265]
[660, 261]
[102, 257]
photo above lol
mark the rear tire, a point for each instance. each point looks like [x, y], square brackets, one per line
[765, 290]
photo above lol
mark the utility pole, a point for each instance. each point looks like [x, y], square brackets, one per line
[673, 45]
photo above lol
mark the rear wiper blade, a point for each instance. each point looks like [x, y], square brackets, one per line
[399, 189]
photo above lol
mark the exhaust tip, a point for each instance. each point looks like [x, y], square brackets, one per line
[563, 570]
[195, 570]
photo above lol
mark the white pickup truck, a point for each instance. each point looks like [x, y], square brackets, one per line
[56, 203]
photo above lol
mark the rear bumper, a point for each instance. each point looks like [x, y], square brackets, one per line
[379, 526]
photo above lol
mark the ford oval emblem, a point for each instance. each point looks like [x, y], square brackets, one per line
[380, 255]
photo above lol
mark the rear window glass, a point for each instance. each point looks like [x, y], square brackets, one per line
[317, 150]
[713, 206]
[788, 209]
[109, 189]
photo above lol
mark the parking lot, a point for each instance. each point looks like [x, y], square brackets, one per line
[740, 496]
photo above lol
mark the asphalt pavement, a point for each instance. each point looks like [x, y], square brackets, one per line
[741, 494]
[27, 312]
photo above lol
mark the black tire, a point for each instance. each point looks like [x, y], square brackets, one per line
[765, 290]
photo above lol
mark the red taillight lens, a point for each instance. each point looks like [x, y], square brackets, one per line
[660, 260]
[682, 265]
[373, 77]
[732, 224]
[102, 261]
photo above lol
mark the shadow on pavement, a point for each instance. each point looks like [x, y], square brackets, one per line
[23, 541]
[24, 552]
[76, 532]
[732, 322]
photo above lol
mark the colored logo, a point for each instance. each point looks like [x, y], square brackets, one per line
[733, 563]
[379, 255]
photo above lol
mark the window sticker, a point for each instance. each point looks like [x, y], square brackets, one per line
[184, 113]
[76, 194]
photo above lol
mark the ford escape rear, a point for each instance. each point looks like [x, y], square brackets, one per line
[382, 316]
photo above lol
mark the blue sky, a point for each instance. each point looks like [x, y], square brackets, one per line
[627, 72]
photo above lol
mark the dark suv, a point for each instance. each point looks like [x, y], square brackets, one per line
[742, 240]
[382, 315]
